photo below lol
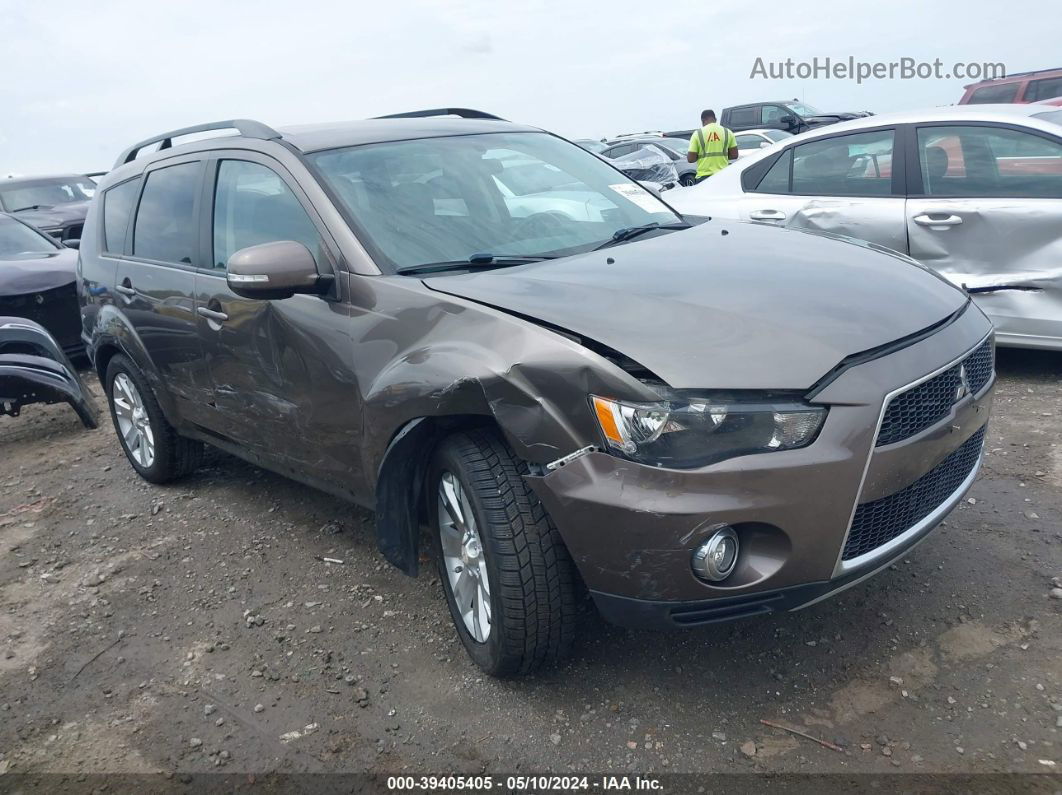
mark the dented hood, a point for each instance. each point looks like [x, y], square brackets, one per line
[724, 305]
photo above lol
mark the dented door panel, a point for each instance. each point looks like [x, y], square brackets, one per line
[1006, 252]
[282, 378]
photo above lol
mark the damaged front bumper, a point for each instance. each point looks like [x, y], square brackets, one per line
[34, 369]
[632, 529]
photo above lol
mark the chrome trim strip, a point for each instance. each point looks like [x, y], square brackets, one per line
[924, 527]
[840, 566]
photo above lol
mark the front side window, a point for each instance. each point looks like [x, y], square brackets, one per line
[253, 205]
[988, 95]
[117, 207]
[446, 199]
[847, 165]
[1048, 88]
[989, 162]
[772, 115]
[165, 228]
[18, 240]
[43, 193]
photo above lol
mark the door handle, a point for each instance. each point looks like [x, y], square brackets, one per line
[767, 215]
[125, 288]
[210, 314]
[935, 220]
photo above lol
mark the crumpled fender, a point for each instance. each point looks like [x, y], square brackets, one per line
[532, 384]
[34, 369]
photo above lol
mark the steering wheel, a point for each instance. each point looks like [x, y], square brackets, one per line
[541, 224]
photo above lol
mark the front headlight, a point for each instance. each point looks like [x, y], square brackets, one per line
[687, 432]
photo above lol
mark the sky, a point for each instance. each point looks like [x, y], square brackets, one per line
[82, 80]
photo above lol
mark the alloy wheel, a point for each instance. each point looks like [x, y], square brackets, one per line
[134, 424]
[463, 556]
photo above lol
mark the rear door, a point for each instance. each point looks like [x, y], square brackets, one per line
[155, 281]
[985, 210]
[280, 387]
[849, 184]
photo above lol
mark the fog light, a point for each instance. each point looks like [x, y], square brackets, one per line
[716, 558]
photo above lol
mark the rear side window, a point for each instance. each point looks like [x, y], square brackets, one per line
[998, 93]
[1047, 88]
[744, 117]
[848, 165]
[777, 179]
[166, 228]
[253, 205]
[117, 208]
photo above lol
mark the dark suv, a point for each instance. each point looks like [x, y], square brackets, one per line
[569, 391]
[55, 205]
[789, 115]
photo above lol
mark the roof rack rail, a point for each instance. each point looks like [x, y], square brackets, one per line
[1009, 75]
[248, 128]
[464, 113]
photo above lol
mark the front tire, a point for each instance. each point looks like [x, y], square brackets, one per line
[153, 447]
[508, 579]
[688, 180]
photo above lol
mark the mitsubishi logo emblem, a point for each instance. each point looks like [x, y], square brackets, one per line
[963, 389]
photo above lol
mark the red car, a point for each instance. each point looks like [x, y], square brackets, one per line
[1020, 87]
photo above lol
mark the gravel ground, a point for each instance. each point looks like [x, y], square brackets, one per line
[195, 626]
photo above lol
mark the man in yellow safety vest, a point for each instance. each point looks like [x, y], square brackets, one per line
[712, 147]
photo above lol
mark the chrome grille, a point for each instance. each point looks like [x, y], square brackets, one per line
[926, 404]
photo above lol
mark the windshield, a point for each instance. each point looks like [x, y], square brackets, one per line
[17, 239]
[46, 192]
[446, 199]
[800, 109]
[777, 135]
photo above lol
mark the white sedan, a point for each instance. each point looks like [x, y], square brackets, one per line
[972, 191]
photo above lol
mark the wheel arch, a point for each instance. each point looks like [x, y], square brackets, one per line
[402, 499]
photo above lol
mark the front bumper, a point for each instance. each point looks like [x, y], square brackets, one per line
[631, 529]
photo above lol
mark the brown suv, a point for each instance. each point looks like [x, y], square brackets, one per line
[569, 391]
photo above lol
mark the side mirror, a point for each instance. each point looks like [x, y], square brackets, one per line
[275, 270]
[789, 122]
[74, 243]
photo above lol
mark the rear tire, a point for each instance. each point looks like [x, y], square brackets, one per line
[155, 450]
[686, 180]
[530, 577]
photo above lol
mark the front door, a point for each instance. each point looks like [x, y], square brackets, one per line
[849, 184]
[279, 367]
[987, 216]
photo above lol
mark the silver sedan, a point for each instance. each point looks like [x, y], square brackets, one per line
[973, 192]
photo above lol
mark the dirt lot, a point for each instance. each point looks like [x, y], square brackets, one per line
[196, 627]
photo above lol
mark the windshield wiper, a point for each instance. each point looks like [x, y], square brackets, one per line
[34, 207]
[484, 260]
[631, 232]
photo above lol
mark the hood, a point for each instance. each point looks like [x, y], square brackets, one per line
[35, 273]
[754, 308]
[57, 215]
